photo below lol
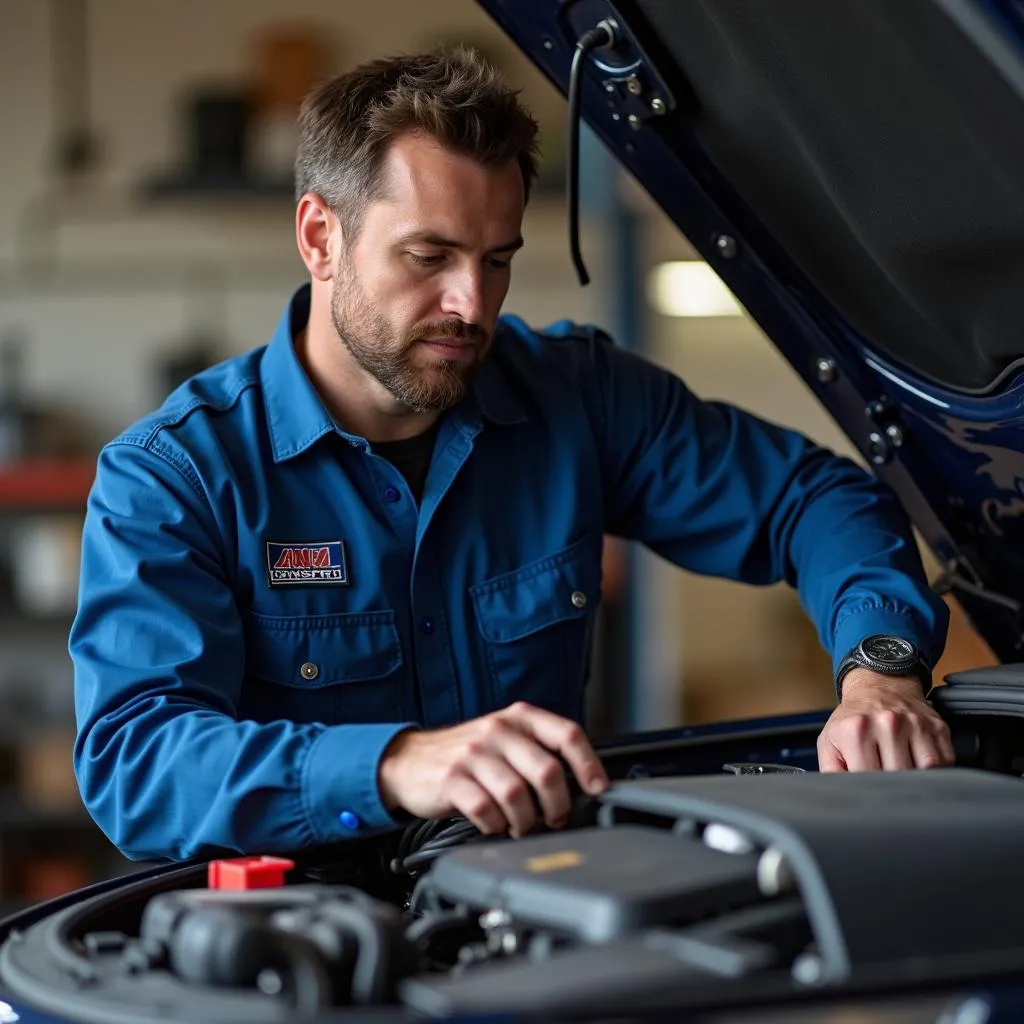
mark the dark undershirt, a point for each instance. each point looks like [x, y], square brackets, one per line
[411, 457]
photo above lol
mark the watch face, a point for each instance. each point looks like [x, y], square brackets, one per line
[890, 650]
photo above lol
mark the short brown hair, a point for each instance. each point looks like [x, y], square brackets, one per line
[347, 124]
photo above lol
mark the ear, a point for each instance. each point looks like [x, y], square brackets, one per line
[318, 236]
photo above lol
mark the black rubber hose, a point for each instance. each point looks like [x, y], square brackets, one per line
[603, 34]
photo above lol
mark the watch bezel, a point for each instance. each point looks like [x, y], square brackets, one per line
[882, 664]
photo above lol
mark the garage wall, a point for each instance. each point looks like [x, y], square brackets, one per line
[104, 284]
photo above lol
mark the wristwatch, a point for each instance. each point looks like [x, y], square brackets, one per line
[888, 655]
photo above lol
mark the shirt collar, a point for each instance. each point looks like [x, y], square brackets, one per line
[296, 416]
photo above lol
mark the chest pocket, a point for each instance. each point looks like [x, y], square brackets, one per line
[536, 624]
[326, 668]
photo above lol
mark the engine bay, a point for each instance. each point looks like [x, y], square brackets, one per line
[755, 884]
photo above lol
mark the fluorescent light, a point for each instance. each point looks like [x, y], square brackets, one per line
[690, 288]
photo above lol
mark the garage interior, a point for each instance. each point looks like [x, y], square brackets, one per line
[129, 259]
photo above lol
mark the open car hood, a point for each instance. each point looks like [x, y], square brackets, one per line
[854, 172]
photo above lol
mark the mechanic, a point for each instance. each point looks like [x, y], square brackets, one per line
[351, 576]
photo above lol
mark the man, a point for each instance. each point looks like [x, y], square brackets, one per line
[351, 577]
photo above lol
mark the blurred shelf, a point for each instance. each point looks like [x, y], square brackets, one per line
[46, 484]
[223, 188]
[117, 275]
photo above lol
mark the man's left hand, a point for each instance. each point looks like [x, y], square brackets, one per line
[883, 724]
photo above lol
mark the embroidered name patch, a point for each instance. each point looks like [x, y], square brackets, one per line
[319, 562]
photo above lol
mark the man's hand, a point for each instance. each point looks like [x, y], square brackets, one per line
[883, 723]
[497, 770]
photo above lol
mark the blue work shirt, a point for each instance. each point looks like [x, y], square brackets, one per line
[263, 605]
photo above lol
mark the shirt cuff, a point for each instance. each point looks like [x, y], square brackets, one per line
[864, 622]
[339, 785]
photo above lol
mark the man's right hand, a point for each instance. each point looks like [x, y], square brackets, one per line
[496, 770]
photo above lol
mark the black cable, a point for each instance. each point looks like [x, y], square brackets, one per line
[422, 842]
[603, 34]
[455, 834]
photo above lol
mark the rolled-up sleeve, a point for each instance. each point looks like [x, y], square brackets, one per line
[164, 765]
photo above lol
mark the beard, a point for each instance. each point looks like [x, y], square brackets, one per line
[387, 353]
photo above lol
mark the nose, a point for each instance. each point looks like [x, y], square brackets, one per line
[464, 295]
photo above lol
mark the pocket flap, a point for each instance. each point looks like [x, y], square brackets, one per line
[549, 590]
[313, 651]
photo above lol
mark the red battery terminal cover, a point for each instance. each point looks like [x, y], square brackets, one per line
[248, 872]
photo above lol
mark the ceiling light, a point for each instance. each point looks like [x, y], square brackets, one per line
[690, 288]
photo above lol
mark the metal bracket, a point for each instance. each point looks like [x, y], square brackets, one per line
[889, 433]
[953, 579]
[634, 89]
[635, 98]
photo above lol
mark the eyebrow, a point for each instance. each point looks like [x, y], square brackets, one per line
[431, 238]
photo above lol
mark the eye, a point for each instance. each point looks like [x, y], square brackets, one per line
[500, 264]
[425, 261]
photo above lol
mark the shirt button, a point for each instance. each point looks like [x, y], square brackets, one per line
[392, 494]
[579, 599]
[427, 625]
[309, 670]
[349, 820]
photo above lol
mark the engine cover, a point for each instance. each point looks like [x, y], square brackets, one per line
[597, 884]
